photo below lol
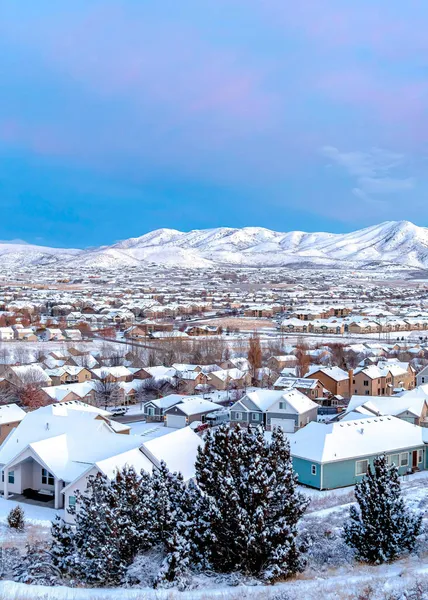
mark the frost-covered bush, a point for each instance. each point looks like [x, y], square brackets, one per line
[16, 519]
[326, 547]
[143, 571]
[10, 558]
[36, 567]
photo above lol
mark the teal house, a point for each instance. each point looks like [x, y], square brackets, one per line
[338, 454]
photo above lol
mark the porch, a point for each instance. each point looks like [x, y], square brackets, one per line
[29, 481]
[50, 503]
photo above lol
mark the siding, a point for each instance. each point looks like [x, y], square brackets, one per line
[304, 470]
[342, 473]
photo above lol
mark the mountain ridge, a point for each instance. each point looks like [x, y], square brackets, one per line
[392, 242]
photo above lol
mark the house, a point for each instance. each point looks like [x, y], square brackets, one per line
[75, 335]
[277, 363]
[154, 410]
[112, 374]
[410, 406]
[193, 409]
[10, 417]
[338, 454]
[334, 379]
[382, 379]
[6, 334]
[271, 408]
[56, 448]
[72, 391]
[158, 373]
[68, 374]
[312, 388]
[229, 379]
[25, 374]
[422, 377]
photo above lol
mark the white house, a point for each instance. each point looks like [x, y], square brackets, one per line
[56, 448]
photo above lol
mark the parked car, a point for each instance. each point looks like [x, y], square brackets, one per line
[119, 411]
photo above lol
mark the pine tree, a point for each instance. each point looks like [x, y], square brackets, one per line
[381, 528]
[132, 494]
[97, 558]
[253, 508]
[62, 545]
[16, 518]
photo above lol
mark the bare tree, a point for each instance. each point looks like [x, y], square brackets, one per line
[254, 356]
[303, 360]
[29, 391]
[107, 392]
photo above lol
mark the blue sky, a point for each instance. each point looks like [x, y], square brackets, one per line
[117, 118]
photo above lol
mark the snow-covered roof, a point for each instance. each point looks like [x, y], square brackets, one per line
[11, 413]
[196, 405]
[335, 373]
[351, 439]
[178, 449]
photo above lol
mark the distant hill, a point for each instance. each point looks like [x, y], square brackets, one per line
[392, 242]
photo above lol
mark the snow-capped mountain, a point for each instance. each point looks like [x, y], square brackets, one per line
[393, 242]
[14, 255]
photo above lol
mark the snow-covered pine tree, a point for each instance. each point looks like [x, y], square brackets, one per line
[381, 528]
[176, 565]
[286, 506]
[219, 467]
[132, 494]
[62, 544]
[165, 497]
[97, 558]
[253, 507]
[16, 518]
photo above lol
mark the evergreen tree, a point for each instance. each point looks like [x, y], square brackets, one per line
[253, 507]
[381, 528]
[62, 545]
[16, 518]
[97, 558]
[132, 495]
[166, 492]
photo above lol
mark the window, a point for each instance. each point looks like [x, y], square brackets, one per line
[313, 469]
[404, 459]
[282, 405]
[255, 416]
[238, 416]
[394, 459]
[72, 501]
[420, 456]
[11, 477]
[361, 467]
[47, 478]
[367, 393]
[366, 383]
[423, 379]
[151, 411]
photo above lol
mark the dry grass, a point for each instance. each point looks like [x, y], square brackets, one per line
[244, 324]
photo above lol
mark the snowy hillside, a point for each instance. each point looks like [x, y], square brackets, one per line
[392, 242]
[18, 255]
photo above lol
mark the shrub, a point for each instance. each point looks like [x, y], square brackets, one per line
[15, 519]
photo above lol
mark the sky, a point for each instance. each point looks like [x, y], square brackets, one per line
[117, 118]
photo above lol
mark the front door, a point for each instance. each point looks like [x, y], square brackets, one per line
[414, 459]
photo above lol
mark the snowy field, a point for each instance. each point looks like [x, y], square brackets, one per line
[331, 574]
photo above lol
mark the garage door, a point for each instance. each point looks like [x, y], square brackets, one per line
[175, 421]
[286, 424]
